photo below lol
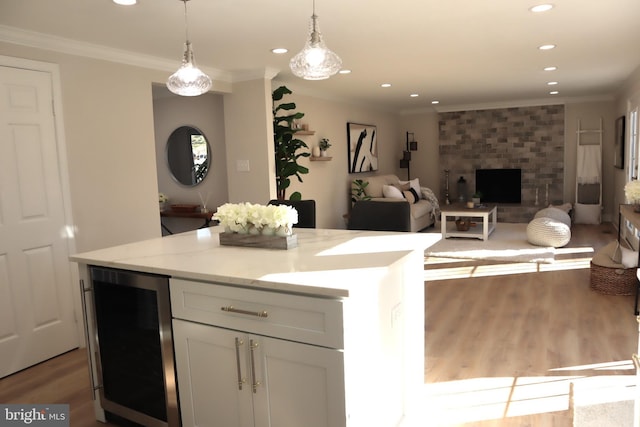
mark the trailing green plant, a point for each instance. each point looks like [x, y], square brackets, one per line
[286, 145]
[358, 190]
[324, 144]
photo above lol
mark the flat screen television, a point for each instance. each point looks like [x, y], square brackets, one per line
[499, 185]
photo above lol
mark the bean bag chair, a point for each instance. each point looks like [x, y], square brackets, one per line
[544, 231]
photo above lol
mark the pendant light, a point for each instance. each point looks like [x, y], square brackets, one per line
[188, 80]
[315, 61]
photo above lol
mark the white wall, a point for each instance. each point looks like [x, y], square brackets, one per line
[249, 136]
[328, 183]
[108, 121]
[628, 96]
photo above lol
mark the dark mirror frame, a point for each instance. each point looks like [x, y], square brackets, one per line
[188, 159]
[618, 151]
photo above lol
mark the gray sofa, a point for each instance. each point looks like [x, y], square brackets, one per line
[392, 214]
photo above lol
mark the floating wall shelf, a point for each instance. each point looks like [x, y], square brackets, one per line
[320, 159]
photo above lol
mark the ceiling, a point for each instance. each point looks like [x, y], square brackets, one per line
[459, 52]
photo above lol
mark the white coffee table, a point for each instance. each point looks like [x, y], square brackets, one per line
[488, 214]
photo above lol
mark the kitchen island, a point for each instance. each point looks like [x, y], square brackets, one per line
[327, 334]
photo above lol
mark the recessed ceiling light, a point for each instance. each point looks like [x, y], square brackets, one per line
[541, 8]
[552, 83]
[385, 85]
[554, 92]
[435, 102]
[414, 95]
[125, 2]
[279, 50]
[547, 46]
[344, 72]
[550, 68]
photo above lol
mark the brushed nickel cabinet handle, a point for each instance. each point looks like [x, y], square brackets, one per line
[253, 345]
[239, 342]
[232, 309]
[87, 333]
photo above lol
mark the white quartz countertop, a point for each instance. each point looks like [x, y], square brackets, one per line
[325, 263]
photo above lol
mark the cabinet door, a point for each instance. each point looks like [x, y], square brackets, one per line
[209, 362]
[300, 384]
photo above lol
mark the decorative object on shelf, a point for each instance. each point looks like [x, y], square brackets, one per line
[363, 147]
[189, 80]
[412, 145]
[632, 193]
[286, 146]
[269, 226]
[315, 61]
[315, 152]
[203, 201]
[162, 201]
[324, 145]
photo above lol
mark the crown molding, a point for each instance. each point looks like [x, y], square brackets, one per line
[73, 47]
[509, 104]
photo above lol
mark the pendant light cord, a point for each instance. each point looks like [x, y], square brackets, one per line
[186, 24]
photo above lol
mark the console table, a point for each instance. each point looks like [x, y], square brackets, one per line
[206, 216]
[627, 212]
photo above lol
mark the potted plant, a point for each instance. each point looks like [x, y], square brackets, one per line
[358, 190]
[324, 146]
[476, 198]
[286, 145]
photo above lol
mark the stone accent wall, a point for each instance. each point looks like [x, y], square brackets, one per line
[528, 138]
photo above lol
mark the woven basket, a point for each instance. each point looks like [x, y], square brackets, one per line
[462, 224]
[613, 281]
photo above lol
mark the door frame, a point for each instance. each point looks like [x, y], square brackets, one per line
[61, 149]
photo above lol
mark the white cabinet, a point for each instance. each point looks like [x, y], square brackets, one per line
[232, 379]
[235, 377]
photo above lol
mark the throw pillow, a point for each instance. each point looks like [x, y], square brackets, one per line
[629, 258]
[616, 256]
[411, 196]
[414, 183]
[391, 192]
[566, 207]
[587, 214]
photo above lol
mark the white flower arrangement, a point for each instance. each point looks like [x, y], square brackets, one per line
[245, 217]
[162, 198]
[632, 192]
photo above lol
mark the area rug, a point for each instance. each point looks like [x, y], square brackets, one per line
[508, 242]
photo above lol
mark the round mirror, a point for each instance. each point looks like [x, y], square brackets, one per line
[188, 155]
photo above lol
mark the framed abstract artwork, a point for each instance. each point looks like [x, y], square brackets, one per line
[362, 142]
[618, 150]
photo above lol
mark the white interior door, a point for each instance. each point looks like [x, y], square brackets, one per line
[36, 305]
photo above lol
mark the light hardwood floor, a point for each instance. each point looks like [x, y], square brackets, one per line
[504, 343]
[503, 349]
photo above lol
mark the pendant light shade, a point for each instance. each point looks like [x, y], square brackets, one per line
[316, 61]
[189, 80]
